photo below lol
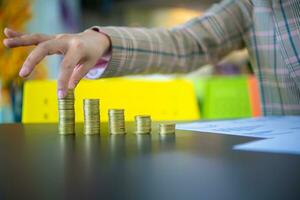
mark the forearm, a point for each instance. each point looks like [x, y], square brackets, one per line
[145, 51]
[182, 49]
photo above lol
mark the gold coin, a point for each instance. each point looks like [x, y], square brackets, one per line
[116, 121]
[142, 124]
[91, 116]
[167, 128]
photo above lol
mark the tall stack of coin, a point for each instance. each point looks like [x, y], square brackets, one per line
[66, 111]
[91, 116]
[116, 121]
[142, 124]
[167, 128]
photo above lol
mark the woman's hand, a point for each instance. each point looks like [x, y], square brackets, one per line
[81, 52]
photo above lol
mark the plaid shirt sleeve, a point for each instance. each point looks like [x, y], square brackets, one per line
[184, 48]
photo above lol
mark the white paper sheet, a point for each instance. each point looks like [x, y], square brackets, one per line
[288, 143]
[261, 127]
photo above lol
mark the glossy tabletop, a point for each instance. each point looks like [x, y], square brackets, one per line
[38, 163]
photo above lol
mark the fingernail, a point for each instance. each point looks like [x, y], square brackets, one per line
[5, 42]
[60, 94]
[23, 72]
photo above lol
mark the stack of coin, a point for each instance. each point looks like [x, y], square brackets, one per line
[91, 116]
[66, 111]
[116, 121]
[167, 128]
[142, 124]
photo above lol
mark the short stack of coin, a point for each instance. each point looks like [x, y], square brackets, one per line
[66, 111]
[167, 128]
[91, 116]
[116, 121]
[142, 124]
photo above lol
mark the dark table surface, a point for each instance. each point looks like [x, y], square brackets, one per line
[37, 163]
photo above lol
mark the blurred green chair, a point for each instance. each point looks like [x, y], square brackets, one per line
[223, 97]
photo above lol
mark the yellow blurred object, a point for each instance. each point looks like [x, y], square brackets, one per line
[166, 17]
[170, 17]
[162, 99]
[14, 14]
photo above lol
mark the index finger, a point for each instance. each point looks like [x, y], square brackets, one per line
[70, 61]
[39, 53]
[26, 40]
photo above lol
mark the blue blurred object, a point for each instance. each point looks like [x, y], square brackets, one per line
[106, 6]
[69, 11]
[6, 114]
[53, 17]
[16, 93]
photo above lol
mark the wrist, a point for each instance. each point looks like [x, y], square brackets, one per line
[105, 39]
